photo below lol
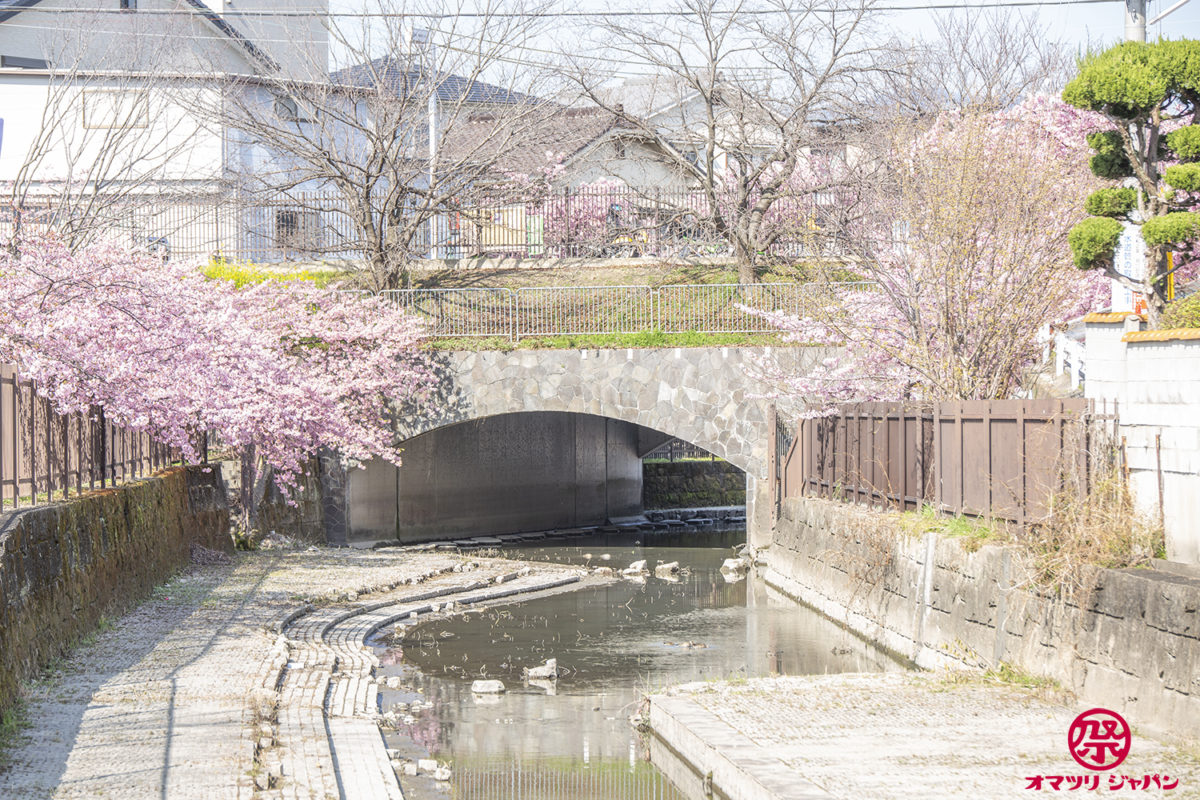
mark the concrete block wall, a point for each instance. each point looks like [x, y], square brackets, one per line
[65, 565]
[1132, 643]
[1155, 386]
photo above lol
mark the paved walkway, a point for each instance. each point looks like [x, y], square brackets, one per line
[221, 685]
[898, 735]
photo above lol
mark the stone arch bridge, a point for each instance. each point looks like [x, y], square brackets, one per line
[706, 396]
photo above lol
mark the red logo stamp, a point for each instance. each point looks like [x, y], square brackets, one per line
[1099, 739]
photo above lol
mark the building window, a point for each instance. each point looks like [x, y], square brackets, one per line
[288, 110]
[17, 62]
[297, 231]
[129, 5]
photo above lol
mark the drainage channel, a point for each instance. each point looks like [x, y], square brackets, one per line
[571, 738]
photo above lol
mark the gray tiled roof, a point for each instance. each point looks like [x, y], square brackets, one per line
[404, 77]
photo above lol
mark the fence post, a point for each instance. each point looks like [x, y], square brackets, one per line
[773, 461]
[103, 448]
[567, 221]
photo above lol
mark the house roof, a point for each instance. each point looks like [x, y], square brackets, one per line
[554, 136]
[10, 8]
[403, 76]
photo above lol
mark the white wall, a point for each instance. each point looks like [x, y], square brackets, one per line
[1156, 386]
[179, 143]
[633, 163]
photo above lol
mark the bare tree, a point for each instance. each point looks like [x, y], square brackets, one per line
[973, 61]
[117, 128]
[750, 102]
[385, 158]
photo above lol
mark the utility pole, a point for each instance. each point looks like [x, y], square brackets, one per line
[1135, 20]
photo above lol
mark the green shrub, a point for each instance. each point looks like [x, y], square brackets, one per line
[1182, 313]
[1126, 81]
[1110, 160]
[1186, 142]
[1094, 240]
[1111, 202]
[1173, 228]
[1184, 177]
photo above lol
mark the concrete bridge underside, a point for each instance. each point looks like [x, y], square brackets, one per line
[710, 397]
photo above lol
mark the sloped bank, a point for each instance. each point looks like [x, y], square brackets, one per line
[1132, 645]
[65, 565]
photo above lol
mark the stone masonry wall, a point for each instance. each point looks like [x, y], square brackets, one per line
[65, 565]
[692, 484]
[1133, 645]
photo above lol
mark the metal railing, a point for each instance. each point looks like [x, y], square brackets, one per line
[585, 222]
[530, 312]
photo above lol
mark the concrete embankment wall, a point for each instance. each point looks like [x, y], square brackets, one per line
[692, 484]
[1131, 644]
[64, 566]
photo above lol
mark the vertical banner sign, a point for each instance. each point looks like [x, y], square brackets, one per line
[1130, 261]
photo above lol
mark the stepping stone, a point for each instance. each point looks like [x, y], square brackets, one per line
[487, 541]
[675, 523]
[699, 521]
[532, 537]
[647, 526]
[511, 537]
[465, 544]
[445, 546]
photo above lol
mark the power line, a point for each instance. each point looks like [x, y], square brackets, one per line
[626, 13]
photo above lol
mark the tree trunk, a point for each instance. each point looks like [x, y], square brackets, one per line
[1156, 285]
[745, 264]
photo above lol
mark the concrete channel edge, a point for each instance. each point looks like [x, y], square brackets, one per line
[739, 768]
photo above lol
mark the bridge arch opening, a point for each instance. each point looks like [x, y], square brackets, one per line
[505, 473]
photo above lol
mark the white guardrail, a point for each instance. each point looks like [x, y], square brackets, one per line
[517, 314]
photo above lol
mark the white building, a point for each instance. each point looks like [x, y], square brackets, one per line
[114, 114]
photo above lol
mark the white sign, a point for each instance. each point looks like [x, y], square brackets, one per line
[1130, 261]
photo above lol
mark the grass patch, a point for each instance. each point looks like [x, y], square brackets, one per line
[973, 531]
[643, 273]
[245, 273]
[14, 721]
[602, 341]
[1012, 675]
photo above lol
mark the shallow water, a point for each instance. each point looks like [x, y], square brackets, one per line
[573, 739]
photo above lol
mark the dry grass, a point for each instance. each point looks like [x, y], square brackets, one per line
[1098, 530]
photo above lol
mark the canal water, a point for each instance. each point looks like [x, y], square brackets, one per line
[572, 739]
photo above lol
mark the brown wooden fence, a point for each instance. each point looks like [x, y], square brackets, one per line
[44, 454]
[1003, 459]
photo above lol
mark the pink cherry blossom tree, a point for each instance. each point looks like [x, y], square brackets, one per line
[276, 370]
[967, 252]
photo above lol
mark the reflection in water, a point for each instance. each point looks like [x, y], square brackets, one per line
[572, 738]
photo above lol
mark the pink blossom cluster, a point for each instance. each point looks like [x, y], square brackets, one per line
[968, 255]
[283, 368]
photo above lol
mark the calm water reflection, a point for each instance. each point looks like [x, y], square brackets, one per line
[573, 739]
